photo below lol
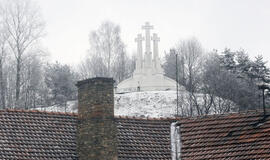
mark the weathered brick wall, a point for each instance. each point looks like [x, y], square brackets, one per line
[96, 128]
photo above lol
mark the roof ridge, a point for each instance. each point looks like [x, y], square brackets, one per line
[145, 118]
[39, 111]
[247, 112]
[76, 114]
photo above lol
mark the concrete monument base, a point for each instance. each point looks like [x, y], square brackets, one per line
[146, 83]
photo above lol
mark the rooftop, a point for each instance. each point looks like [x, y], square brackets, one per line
[52, 135]
[230, 136]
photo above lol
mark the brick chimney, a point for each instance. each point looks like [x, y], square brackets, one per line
[96, 137]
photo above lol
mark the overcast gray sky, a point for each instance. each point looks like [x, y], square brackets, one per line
[216, 23]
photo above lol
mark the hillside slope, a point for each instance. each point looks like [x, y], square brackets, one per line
[141, 104]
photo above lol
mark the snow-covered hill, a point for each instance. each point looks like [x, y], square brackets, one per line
[139, 104]
[148, 104]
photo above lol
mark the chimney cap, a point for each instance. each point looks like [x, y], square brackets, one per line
[96, 79]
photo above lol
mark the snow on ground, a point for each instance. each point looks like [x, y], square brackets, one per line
[146, 104]
[71, 107]
[139, 104]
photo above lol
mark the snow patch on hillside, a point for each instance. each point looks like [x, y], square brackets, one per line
[71, 107]
[146, 104]
[140, 104]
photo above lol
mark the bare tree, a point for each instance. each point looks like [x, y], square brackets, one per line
[218, 86]
[190, 53]
[120, 68]
[107, 54]
[105, 43]
[32, 80]
[3, 53]
[25, 27]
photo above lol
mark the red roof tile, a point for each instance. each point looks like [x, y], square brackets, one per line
[45, 135]
[141, 139]
[37, 135]
[233, 136]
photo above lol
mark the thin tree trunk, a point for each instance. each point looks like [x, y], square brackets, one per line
[109, 62]
[34, 103]
[2, 86]
[18, 81]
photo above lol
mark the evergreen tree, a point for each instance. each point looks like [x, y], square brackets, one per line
[243, 63]
[60, 80]
[259, 69]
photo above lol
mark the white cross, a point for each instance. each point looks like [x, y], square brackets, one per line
[139, 38]
[147, 28]
[155, 37]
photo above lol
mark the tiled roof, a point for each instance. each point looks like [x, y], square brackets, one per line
[36, 135]
[33, 135]
[143, 139]
[233, 136]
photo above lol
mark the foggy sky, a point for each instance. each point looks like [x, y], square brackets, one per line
[215, 23]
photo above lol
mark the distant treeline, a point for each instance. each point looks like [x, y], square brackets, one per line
[29, 80]
[230, 75]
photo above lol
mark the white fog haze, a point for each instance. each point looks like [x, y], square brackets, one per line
[216, 24]
[213, 53]
[134, 79]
